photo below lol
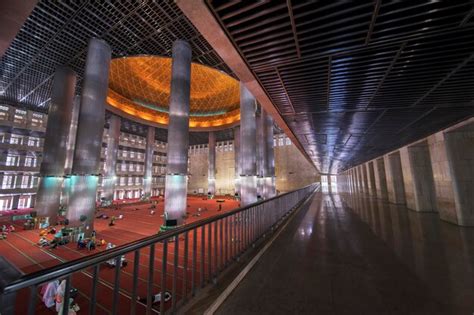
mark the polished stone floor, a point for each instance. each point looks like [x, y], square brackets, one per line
[347, 254]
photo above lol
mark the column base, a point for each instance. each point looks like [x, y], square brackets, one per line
[169, 225]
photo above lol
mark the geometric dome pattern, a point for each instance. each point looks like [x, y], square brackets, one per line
[140, 86]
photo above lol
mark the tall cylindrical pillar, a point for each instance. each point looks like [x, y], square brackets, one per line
[148, 176]
[261, 154]
[270, 189]
[55, 144]
[178, 135]
[248, 145]
[237, 168]
[110, 177]
[211, 186]
[90, 129]
[71, 143]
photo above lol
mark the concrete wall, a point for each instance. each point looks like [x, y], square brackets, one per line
[418, 177]
[394, 175]
[225, 171]
[434, 174]
[292, 170]
[197, 170]
[442, 178]
[380, 179]
[460, 152]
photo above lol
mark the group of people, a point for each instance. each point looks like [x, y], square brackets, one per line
[90, 243]
[5, 230]
[58, 239]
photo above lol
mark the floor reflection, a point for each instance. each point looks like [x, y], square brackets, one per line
[440, 254]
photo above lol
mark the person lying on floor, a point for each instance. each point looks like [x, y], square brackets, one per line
[155, 298]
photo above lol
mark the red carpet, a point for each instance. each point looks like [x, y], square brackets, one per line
[21, 249]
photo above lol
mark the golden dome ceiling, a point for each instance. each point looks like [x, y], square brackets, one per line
[140, 86]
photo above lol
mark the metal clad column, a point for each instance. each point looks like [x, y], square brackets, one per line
[178, 134]
[248, 126]
[55, 144]
[71, 143]
[89, 136]
[261, 156]
[212, 164]
[150, 144]
[270, 189]
[237, 167]
[111, 157]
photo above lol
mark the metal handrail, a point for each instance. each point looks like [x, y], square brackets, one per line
[68, 268]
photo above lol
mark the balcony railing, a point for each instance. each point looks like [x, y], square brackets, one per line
[179, 261]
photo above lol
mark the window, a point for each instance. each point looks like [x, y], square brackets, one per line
[20, 116]
[7, 181]
[280, 142]
[25, 181]
[16, 139]
[4, 203]
[13, 160]
[30, 161]
[37, 120]
[33, 142]
[4, 112]
[287, 141]
[132, 154]
[122, 181]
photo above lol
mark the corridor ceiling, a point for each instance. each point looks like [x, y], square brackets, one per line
[354, 80]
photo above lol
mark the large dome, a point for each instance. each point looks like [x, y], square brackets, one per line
[140, 87]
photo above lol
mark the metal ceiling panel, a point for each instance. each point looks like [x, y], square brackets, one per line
[367, 77]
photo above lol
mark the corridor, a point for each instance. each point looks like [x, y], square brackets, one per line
[343, 254]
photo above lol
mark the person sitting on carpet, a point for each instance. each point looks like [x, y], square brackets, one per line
[58, 238]
[101, 242]
[3, 236]
[155, 298]
[111, 262]
[120, 217]
[43, 241]
[81, 243]
[43, 232]
[152, 212]
[91, 244]
[4, 229]
[12, 228]
[112, 221]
